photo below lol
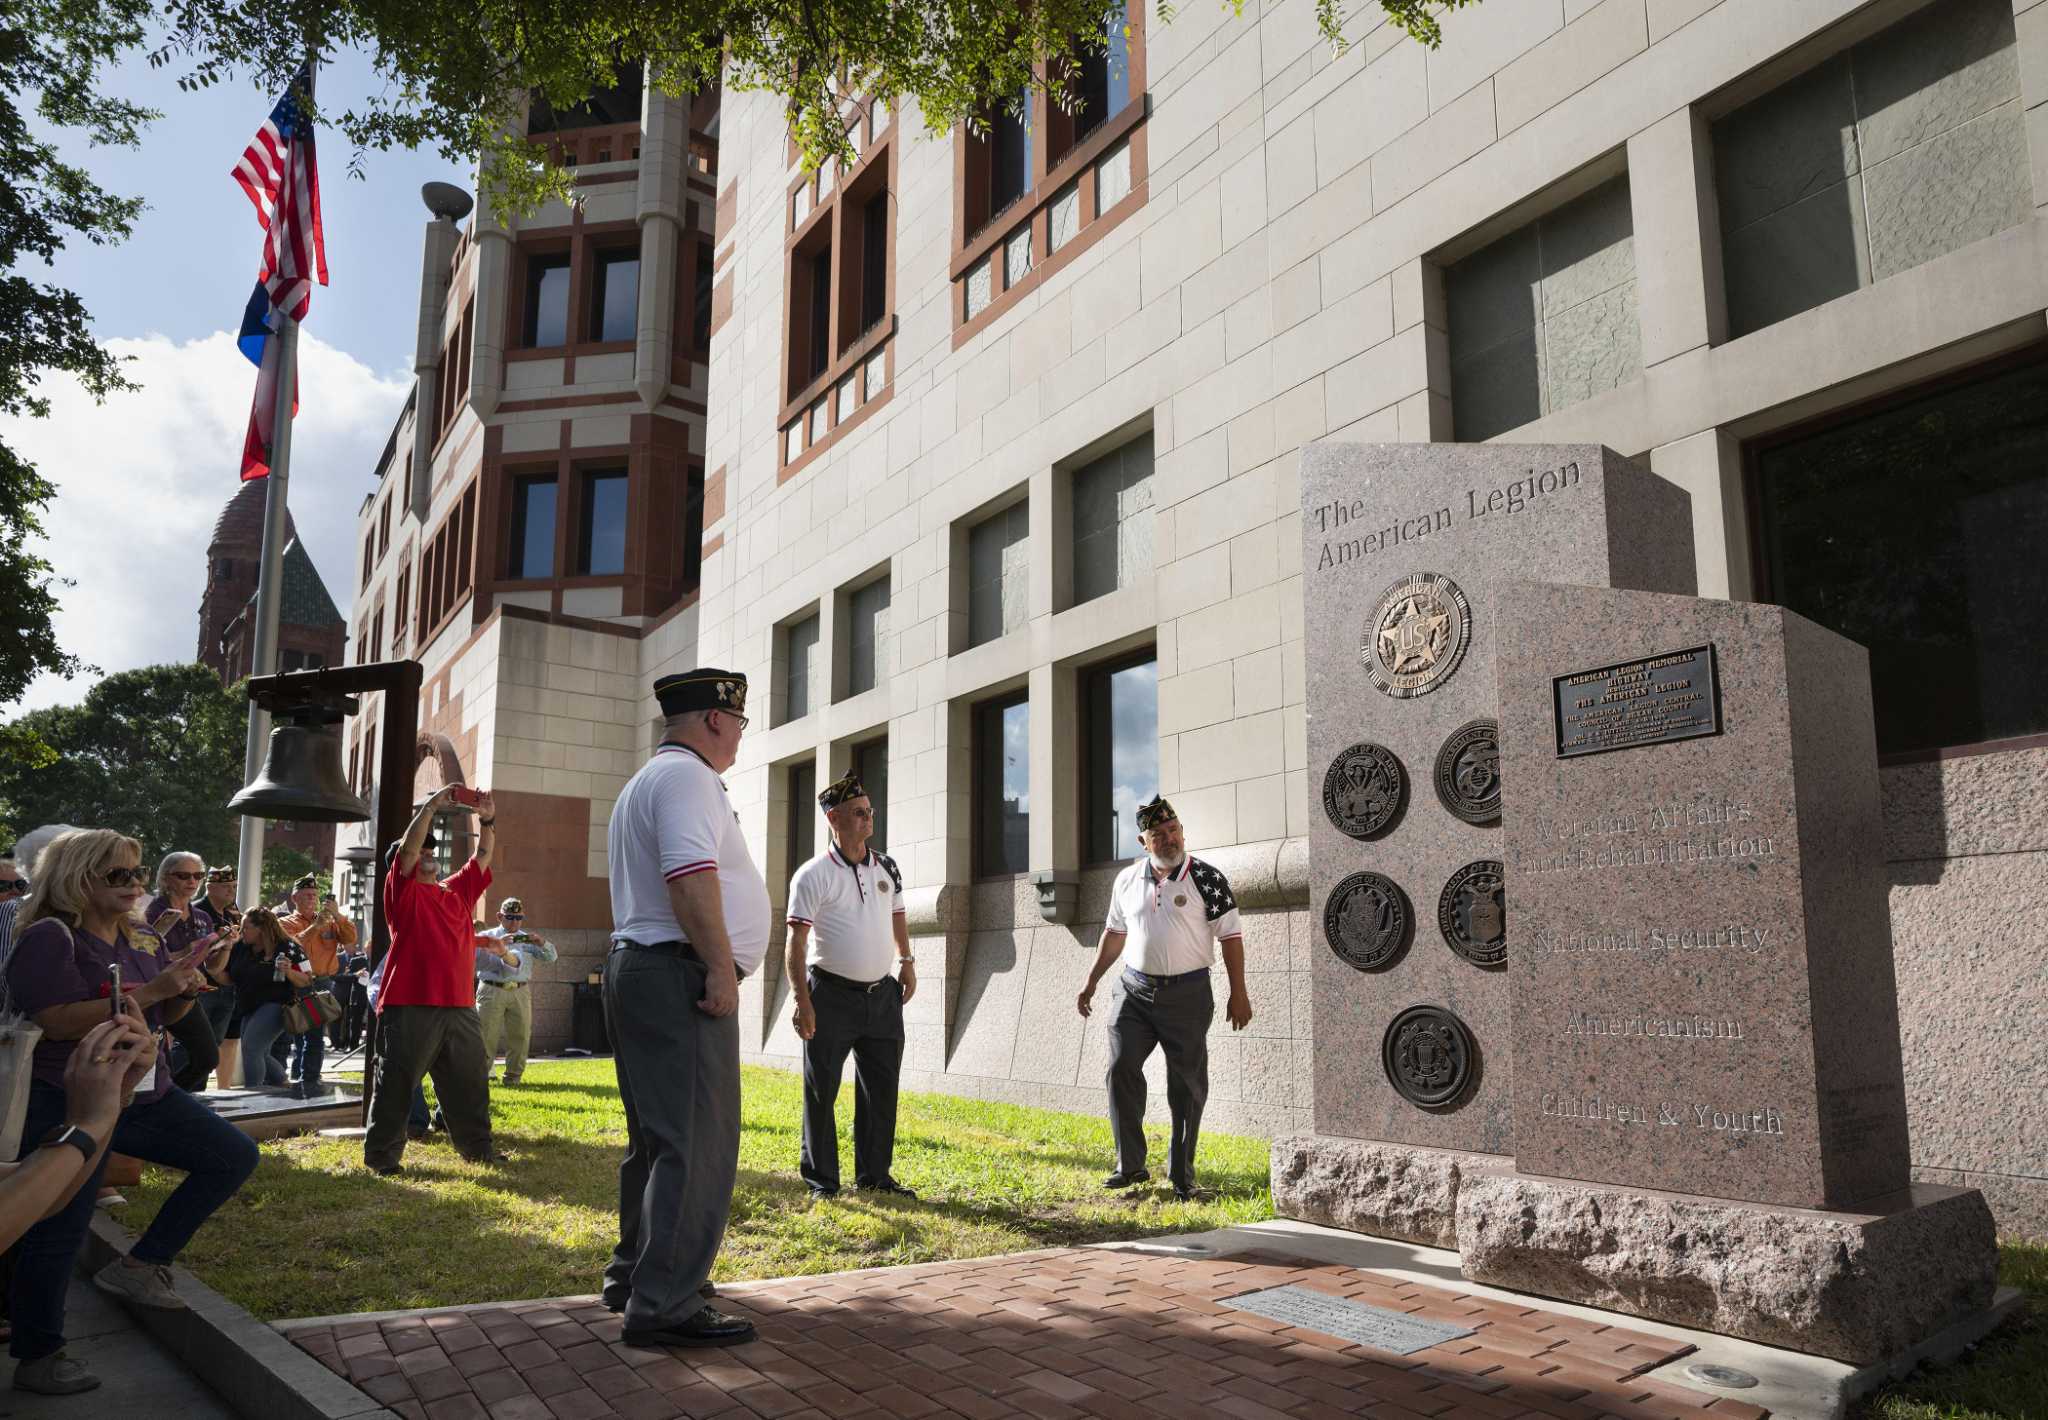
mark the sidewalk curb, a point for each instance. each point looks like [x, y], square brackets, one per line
[260, 1374]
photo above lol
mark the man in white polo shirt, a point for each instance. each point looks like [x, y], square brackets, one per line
[846, 914]
[1167, 913]
[690, 919]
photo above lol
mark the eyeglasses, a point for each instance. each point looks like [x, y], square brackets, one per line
[736, 717]
[513, 916]
[13, 884]
[862, 813]
[122, 877]
[186, 877]
[220, 875]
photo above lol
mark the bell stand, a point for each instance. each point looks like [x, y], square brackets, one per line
[397, 762]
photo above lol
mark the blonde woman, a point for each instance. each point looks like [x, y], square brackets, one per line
[81, 923]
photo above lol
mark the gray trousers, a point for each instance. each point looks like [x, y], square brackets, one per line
[679, 1080]
[417, 1041]
[870, 1025]
[1174, 1016]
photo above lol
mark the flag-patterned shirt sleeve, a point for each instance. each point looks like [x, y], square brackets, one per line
[689, 824]
[895, 880]
[1218, 903]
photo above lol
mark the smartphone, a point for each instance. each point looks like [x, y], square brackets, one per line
[466, 796]
[114, 995]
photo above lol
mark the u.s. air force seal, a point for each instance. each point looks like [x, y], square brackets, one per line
[1363, 790]
[1366, 920]
[1417, 635]
[1471, 912]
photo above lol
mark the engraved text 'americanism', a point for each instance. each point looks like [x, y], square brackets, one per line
[1355, 543]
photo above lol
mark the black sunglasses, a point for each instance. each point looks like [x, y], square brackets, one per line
[13, 884]
[122, 877]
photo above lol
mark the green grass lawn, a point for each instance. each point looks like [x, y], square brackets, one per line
[2005, 1378]
[314, 1234]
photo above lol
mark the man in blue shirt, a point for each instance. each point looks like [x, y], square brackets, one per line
[505, 955]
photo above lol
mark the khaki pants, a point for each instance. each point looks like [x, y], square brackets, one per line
[506, 1012]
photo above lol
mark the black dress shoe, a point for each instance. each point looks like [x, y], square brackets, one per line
[823, 1190]
[389, 1170]
[1125, 1180]
[615, 1299]
[705, 1327]
[889, 1186]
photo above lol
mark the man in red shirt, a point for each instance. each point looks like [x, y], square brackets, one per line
[426, 1008]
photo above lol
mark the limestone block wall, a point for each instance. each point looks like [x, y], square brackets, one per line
[1282, 282]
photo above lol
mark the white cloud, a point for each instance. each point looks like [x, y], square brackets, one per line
[141, 480]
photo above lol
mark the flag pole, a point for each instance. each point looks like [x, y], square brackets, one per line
[269, 593]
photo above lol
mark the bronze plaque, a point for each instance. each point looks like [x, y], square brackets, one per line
[1417, 635]
[1366, 920]
[1364, 789]
[1472, 913]
[1673, 696]
[1429, 1056]
[1468, 772]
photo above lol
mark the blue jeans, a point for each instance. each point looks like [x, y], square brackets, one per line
[260, 1030]
[174, 1130]
[310, 1049]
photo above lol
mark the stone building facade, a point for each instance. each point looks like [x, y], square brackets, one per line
[999, 438]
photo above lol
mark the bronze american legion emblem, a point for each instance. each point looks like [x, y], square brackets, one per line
[1417, 635]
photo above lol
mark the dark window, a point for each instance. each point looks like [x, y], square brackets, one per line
[803, 813]
[871, 763]
[867, 618]
[1009, 143]
[1002, 786]
[874, 261]
[602, 552]
[706, 268]
[615, 295]
[1122, 724]
[547, 302]
[821, 314]
[621, 103]
[1917, 531]
[533, 527]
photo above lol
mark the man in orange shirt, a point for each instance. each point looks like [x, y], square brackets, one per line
[321, 933]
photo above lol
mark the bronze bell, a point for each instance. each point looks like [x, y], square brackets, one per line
[302, 778]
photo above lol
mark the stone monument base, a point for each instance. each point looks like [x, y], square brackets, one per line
[1854, 1286]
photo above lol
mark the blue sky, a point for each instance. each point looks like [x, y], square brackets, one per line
[142, 478]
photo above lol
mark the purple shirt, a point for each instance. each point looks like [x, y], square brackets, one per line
[54, 966]
[198, 922]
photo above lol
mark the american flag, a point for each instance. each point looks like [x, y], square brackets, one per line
[281, 174]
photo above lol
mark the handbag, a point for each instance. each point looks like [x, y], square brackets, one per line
[312, 1011]
[19, 1037]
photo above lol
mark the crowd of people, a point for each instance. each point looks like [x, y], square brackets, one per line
[103, 974]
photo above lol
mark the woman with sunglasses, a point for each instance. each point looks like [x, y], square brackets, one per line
[80, 924]
[174, 915]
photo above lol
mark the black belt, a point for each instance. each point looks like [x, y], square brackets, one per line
[848, 982]
[502, 985]
[673, 949]
[1157, 981]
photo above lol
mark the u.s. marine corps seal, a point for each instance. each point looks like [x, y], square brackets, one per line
[1468, 772]
[1364, 789]
[1429, 1056]
[1366, 920]
[1417, 635]
[1472, 913]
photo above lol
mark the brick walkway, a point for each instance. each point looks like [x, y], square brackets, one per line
[1069, 1332]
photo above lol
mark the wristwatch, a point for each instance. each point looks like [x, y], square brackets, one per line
[71, 1134]
[906, 961]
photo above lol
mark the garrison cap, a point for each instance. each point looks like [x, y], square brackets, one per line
[1151, 815]
[702, 689]
[840, 790]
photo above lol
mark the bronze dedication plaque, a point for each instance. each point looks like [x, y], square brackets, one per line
[1672, 696]
[1363, 790]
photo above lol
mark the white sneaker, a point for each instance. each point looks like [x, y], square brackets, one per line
[144, 1286]
[110, 1200]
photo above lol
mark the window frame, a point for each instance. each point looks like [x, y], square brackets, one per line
[586, 492]
[1753, 515]
[515, 543]
[1091, 764]
[985, 711]
[604, 256]
[1052, 174]
[535, 264]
